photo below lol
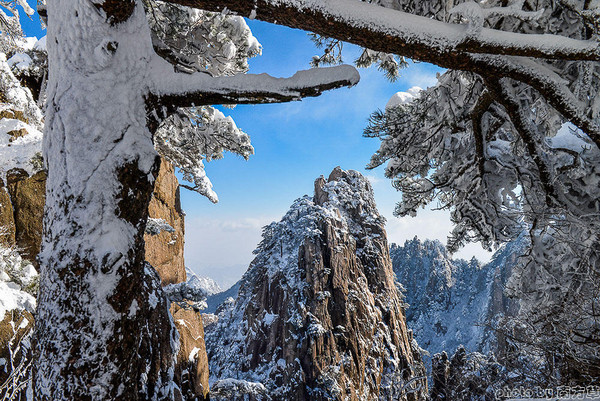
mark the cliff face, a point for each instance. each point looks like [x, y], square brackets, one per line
[21, 213]
[27, 197]
[7, 218]
[318, 315]
[453, 302]
[164, 251]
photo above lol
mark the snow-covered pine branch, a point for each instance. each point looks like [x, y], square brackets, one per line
[200, 89]
[196, 40]
[398, 32]
[421, 33]
[156, 226]
[192, 135]
[209, 45]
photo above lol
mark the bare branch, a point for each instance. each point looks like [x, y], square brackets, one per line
[482, 105]
[505, 97]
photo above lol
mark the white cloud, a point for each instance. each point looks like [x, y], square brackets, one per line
[373, 179]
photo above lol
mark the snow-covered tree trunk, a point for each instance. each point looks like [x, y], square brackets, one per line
[103, 327]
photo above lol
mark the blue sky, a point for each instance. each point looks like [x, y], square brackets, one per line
[294, 144]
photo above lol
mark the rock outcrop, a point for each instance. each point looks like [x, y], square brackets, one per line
[318, 315]
[191, 368]
[165, 250]
[27, 198]
[7, 218]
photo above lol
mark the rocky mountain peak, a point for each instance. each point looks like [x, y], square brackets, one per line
[318, 315]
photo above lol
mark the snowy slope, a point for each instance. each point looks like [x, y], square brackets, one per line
[215, 300]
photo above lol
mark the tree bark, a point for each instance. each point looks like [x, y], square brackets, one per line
[397, 32]
[103, 329]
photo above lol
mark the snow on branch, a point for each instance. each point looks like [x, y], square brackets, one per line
[156, 226]
[191, 136]
[402, 33]
[526, 57]
[201, 89]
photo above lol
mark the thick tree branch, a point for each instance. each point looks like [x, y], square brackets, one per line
[506, 99]
[397, 32]
[199, 89]
[444, 44]
[482, 105]
[549, 84]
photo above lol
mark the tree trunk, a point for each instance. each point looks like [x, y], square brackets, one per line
[103, 329]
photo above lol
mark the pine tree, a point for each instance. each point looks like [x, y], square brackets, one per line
[103, 330]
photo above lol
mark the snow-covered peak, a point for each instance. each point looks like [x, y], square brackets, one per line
[206, 284]
[346, 197]
[452, 300]
[321, 275]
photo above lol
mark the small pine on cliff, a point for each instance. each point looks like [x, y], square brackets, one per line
[318, 315]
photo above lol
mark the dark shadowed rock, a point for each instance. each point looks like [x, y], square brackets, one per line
[7, 218]
[27, 198]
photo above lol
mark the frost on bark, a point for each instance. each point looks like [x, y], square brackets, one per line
[103, 327]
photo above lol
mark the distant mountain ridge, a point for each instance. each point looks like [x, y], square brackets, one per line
[455, 302]
[215, 300]
[207, 284]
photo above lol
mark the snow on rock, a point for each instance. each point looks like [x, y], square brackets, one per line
[20, 61]
[20, 145]
[232, 389]
[206, 284]
[451, 301]
[16, 97]
[18, 282]
[12, 297]
[18, 285]
[20, 122]
[318, 315]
